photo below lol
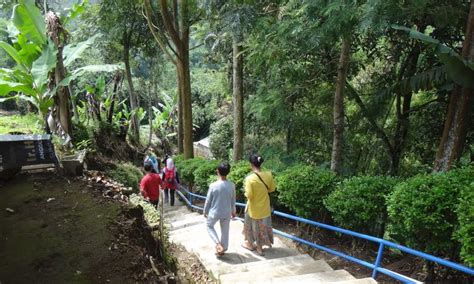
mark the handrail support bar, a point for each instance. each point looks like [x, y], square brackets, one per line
[378, 260]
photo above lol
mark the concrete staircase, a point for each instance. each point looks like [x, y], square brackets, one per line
[280, 264]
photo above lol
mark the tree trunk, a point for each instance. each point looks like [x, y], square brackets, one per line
[131, 90]
[183, 67]
[457, 118]
[117, 79]
[187, 122]
[180, 113]
[178, 43]
[238, 98]
[338, 113]
[63, 105]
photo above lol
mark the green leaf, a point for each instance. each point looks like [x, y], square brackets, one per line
[44, 64]
[44, 104]
[90, 68]
[416, 34]
[457, 70]
[28, 20]
[75, 11]
[7, 86]
[28, 51]
[100, 86]
[72, 52]
[13, 54]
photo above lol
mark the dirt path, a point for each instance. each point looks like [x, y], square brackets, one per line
[61, 232]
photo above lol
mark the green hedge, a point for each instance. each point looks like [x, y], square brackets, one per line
[358, 203]
[127, 174]
[237, 175]
[303, 189]
[465, 211]
[186, 169]
[422, 212]
[205, 170]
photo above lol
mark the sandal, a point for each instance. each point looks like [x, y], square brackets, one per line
[247, 247]
[260, 252]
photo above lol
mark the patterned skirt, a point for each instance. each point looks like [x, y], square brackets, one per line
[258, 231]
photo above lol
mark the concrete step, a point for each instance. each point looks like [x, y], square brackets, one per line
[367, 280]
[188, 220]
[177, 206]
[255, 265]
[196, 238]
[319, 277]
[178, 215]
[266, 272]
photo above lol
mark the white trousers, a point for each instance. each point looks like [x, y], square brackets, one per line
[224, 223]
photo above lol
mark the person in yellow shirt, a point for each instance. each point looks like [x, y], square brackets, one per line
[258, 223]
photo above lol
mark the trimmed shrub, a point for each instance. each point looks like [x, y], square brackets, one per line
[465, 211]
[422, 212]
[206, 169]
[358, 203]
[127, 174]
[186, 169]
[237, 174]
[177, 159]
[303, 188]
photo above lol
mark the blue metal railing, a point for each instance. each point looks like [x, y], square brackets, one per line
[376, 266]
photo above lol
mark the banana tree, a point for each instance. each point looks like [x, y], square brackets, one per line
[459, 68]
[36, 57]
[164, 121]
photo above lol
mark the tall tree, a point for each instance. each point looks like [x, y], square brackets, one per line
[234, 18]
[457, 118]
[338, 111]
[348, 13]
[238, 95]
[171, 31]
[122, 20]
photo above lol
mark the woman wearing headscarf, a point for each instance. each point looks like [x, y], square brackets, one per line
[170, 181]
[258, 224]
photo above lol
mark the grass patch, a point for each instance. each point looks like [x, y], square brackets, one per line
[28, 124]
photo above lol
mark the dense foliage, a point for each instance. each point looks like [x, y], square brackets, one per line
[239, 171]
[422, 211]
[303, 189]
[358, 203]
[187, 169]
[221, 138]
[206, 169]
[465, 212]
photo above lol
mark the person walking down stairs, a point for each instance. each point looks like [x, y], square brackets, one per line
[170, 181]
[220, 206]
[258, 223]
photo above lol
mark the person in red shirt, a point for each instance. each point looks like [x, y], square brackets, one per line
[150, 184]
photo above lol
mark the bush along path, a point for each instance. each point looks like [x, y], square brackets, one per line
[280, 264]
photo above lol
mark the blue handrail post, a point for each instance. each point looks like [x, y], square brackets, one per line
[190, 198]
[378, 260]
